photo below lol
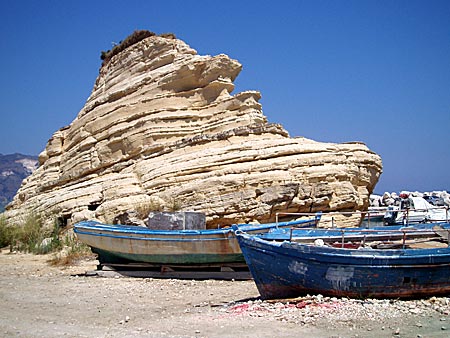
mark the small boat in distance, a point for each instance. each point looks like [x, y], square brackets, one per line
[414, 209]
[409, 266]
[122, 243]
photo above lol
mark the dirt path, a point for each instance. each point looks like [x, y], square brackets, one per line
[38, 300]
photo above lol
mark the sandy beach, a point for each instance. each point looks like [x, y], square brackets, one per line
[40, 300]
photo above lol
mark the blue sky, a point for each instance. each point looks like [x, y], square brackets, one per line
[333, 71]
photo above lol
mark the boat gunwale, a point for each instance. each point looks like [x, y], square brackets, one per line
[346, 253]
[165, 238]
[350, 233]
[114, 228]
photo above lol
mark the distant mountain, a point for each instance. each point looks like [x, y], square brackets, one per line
[13, 169]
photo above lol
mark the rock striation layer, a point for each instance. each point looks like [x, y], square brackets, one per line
[161, 130]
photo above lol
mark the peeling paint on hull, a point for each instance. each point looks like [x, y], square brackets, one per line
[114, 243]
[285, 269]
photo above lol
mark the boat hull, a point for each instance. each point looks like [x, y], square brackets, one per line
[117, 243]
[113, 257]
[289, 269]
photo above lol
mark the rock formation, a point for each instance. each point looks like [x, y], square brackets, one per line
[160, 130]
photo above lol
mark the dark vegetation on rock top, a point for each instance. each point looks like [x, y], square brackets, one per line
[130, 40]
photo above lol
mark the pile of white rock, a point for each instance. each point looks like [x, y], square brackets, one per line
[437, 198]
[309, 309]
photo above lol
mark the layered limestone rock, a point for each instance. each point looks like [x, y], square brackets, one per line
[160, 130]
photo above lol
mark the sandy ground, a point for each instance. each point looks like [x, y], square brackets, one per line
[39, 300]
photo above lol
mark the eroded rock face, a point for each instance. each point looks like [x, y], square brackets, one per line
[160, 129]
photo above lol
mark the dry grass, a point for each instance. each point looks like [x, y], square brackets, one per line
[132, 39]
[72, 251]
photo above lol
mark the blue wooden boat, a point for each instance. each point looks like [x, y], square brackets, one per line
[413, 268]
[380, 233]
[121, 243]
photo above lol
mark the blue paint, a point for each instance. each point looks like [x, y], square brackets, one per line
[284, 269]
[140, 244]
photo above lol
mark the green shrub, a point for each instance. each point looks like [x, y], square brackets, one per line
[5, 233]
[29, 235]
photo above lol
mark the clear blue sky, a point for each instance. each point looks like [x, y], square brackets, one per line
[333, 71]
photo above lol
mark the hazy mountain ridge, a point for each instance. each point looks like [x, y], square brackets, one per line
[13, 169]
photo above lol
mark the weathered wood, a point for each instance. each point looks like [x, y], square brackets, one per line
[241, 275]
[441, 232]
[119, 244]
[283, 269]
[141, 270]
